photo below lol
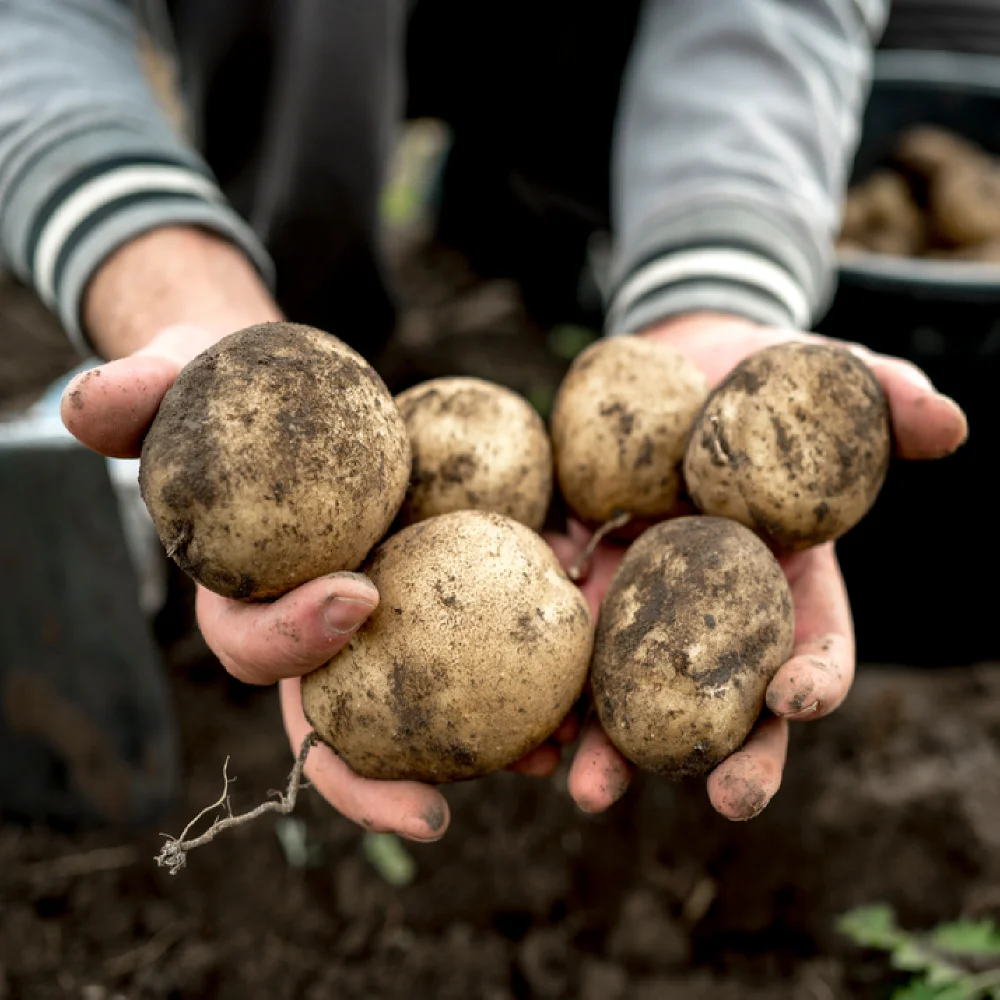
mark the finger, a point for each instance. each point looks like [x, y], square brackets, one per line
[819, 674]
[417, 812]
[815, 681]
[925, 423]
[110, 408]
[599, 775]
[262, 643]
[743, 784]
[569, 728]
[538, 763]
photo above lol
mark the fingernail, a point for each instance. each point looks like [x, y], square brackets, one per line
[344, 614]
[800, 713]
[354, 586]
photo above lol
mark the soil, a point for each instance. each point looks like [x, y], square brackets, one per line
[896, 797]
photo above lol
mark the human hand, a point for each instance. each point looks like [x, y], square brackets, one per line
[817, 677]
[110, 409]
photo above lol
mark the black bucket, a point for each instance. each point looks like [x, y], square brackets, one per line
[922, 590]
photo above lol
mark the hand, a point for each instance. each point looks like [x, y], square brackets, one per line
[110, 409]
[819, 674]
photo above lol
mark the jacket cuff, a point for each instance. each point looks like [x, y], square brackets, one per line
[77, 200]
[726, 257]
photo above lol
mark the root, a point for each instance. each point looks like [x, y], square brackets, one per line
[173, 854]
[618, 521]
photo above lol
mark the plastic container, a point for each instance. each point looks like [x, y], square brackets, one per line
[921, 567]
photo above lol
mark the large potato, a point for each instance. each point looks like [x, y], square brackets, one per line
[478, 649]
[277, 456]
[619, 425]
[794, 443]
[696, 622]
[476, 446]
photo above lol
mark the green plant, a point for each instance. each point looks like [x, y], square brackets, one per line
[959, 960]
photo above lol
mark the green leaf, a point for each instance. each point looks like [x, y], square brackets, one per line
[387, 855]
[968, 937]
[567, 341]
[872, 927]
[919, 989]
[541, 398]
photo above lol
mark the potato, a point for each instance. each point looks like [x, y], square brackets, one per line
[277, 456]
[964, 203]
[619, 425]
[893, 223]
[794, 443]
[697, 620]
[477, 651]
[476, 446]
[927, 149]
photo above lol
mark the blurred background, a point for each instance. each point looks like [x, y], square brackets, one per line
[895, 800]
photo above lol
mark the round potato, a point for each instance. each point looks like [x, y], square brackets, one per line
[964, 203]
[477, 651]
[476, 446]
[619, 426]
[697, 620]
[794, 443]
[926, 150]
[276, 457]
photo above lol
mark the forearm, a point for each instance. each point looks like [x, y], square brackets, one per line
[88, 161]
[172, 277]
[737, 127]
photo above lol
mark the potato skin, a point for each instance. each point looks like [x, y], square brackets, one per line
[619, 426]
[276, 457]
[478, 649]
[794, 443]
[476, 446]
[696, 622]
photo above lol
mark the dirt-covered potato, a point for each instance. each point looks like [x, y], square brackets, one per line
[927, 149]
[619, 425]
[478, 649]
[793, 443]
[696, 622]
[277, 456]
[882, 215]
[964, 203]
[476, 446]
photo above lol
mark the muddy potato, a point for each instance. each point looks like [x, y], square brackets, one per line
[697, 620]
[794, 443]
[619, 425]
[476, 446]
[478, 649]
[926, 150]
[964, 203]
[277, 456]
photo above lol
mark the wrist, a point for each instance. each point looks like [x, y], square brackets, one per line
[688, 324]
[170, 285]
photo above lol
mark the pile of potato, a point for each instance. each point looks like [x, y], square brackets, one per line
[937, 196]
[279, 456]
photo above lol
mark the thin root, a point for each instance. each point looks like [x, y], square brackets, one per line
[618, 521]
[173, 854]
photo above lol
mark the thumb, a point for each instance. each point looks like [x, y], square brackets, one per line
[110, 408]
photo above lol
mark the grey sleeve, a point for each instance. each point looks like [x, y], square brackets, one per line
[88, 160]
[737, 126]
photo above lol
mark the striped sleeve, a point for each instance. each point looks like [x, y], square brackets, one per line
[738, 123]
[88, 160]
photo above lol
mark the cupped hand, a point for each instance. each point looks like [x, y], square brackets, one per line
[109, 409]
[817, 677]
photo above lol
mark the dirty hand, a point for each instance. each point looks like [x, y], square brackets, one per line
[818, 676]
[110, 409]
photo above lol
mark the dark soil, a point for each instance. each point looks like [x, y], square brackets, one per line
[895, 798]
